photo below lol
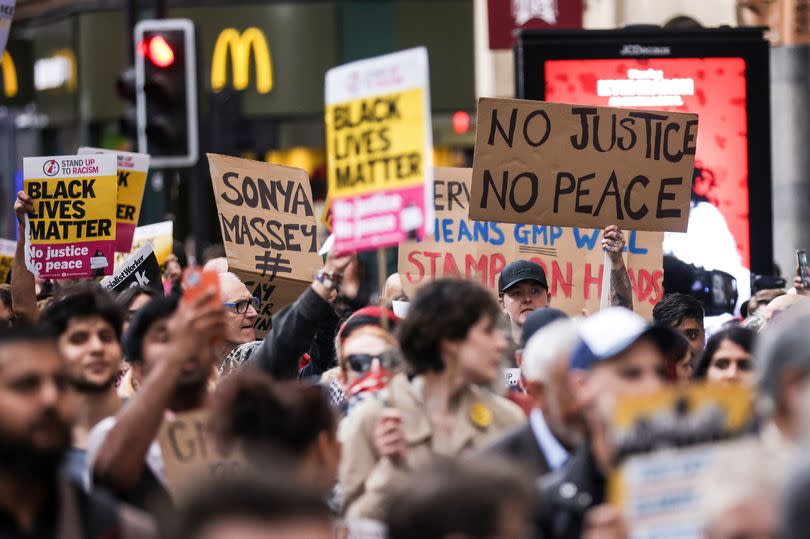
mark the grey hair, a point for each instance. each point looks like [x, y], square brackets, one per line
[784, 343]
[546, 346]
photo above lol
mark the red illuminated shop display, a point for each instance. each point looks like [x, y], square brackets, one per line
[714, 88]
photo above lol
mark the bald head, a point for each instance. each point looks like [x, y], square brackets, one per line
[780, 304]
[393, 288]
[238, 326]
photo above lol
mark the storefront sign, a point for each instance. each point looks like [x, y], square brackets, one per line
[250, 43]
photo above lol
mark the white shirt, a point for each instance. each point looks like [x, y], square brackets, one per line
[154, 457]
[556, 454]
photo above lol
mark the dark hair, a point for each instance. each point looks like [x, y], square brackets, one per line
[84, 300]
[740, 336]
[5, 295]
[455, 496]
[442, 309]
[25, 333]
[250, 407]
[125, 298]
[267, 498]
[157, 309]
[678, 347]
[179, 250]
[675, 308]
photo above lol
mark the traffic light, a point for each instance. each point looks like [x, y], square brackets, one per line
[166, 91]
[125, 88]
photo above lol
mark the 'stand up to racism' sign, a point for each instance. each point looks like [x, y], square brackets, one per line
[132, 171]
[268, 228]
[571, 257]
[379, 144]
[571, 165]
[71, 233]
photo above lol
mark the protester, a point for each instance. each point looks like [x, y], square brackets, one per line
[278, 421]
[362, 350]
[87, 325]
[461, 498]
[684, 314]
[308, 325]
[783, 364]
[172, 364]
[680, 360]
[727, 358]
[35, 421]
[451, 345]
[618, 355]
[254, 507]
[554, 428]
[132, 300]
[523, 287]
[393, 289]
[241, 312]
[173, 268]
[23, 284]
[762, 298]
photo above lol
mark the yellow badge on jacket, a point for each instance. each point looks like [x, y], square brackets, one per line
[480, 415]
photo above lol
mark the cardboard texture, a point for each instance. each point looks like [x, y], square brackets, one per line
[572, 257]
[71, 232]
[191, 454]
[141, 268]
[269, 229]
[571, 165]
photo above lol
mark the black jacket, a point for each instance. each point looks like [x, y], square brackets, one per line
[567, 494]
[291, 336]
[521, 447]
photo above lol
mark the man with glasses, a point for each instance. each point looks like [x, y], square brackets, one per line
[683, 313]
[241, 310]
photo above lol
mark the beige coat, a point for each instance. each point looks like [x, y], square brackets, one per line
[365, 478]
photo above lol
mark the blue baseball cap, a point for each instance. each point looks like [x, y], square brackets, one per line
[608, 333]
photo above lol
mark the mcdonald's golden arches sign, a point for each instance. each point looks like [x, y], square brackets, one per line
[242, 47]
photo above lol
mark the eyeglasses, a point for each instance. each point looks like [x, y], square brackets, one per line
[361, 363]
[242, 306]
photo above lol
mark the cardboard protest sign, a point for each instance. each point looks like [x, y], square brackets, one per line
[160, 235]
[71, 233]
[274, 295]
[141, 268]
[671, 446]
[132, 171]
[191, 454]
[379, 147]
[7, 250]
[571, 257]
[269, 229]
[571, 165]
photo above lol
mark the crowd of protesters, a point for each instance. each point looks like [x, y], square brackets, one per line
[357, 420]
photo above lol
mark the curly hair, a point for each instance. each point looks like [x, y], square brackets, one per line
[442, 309]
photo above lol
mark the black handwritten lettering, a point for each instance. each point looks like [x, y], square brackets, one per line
[560, 190]
[642, 211]
[495, 124]
[667, 213]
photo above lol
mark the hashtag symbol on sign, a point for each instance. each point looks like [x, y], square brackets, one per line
[274, 264]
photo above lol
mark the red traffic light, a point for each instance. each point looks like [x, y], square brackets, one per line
[158, 50]
[461, 122]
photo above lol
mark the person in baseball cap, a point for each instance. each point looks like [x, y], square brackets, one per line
[522, 289]
[618, 354]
